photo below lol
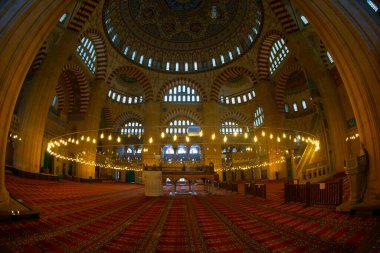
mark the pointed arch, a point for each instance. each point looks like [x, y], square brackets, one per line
[60, 92]
[82, 15]
[82, 84]
[100, 50]
[127, 116]
[182, 112]
[281, 84]
[283, 16]
[264, 51]
[225, 75]
[237, 116]
[181, 80]
[107, 117]
[40, 56]
[134, 73]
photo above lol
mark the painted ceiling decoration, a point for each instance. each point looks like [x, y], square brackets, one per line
[182, 35]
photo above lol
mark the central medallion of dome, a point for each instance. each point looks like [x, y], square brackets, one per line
[182, 35]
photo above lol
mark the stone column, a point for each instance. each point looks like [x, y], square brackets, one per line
[273, 119]
[351, 37]
[153, 183]
[35, 106]
[27, 26]
[211, 126]
[90, 125]
[152, 115]
[265, 96]
[313, 65]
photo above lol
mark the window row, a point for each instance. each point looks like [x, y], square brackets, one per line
[278, 53]
[258, 117]
[295, 106]
[238, 99]
[124, 99]
[182, 93]
[180, 66]
[86, 51]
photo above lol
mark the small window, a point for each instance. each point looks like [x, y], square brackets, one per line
[213, 62]
[141, 59]
[133, 55]
[167, 65]
[230, 55]
[110, 93]
[304, 20]
[330, 57]
[186, 66]
[177, 66]
[54, 101]
[238, 50]
[286, 108]
[222, 59]
[195, 65]
[304, 105]
[295, 107]
[150, 62]
[63, 18]
[373, 5]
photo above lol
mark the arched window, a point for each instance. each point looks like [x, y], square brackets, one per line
[181, 93]
[181, 150]
[54, 102]
[331, 60]
[373, 5]
[277, 54]
[178, 126]
[169, 151]
[304, 105]
[132, 128]
[258, 117]
[295, 107]
[86, 51]
[286, 108]
[304, 20]
[231, 127]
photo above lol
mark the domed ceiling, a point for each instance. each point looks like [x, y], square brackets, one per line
[182, 35]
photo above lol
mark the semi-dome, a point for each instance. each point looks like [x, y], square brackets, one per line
[182, 35]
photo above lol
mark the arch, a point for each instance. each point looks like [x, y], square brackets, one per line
[238, 116]
[60, 91]
[264, 51]
[82, 85]
[358, 66]
[134, 73]
[283, 16]
[78, 20]
[281, 84]
[323, 54]
[181, 112]
[127, 116]
[107, 116]
[40, 56]
[181, 80]
[100, 50]
[225, 75]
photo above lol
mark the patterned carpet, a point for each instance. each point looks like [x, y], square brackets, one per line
[116, 217]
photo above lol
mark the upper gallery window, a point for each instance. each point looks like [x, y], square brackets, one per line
[86, 51]
[278, 53]
[181, 94]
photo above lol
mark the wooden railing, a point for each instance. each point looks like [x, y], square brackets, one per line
[28, 174]
[319, 194]
[257, 190]
[229, 186]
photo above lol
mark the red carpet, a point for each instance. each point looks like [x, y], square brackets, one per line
[117, 217]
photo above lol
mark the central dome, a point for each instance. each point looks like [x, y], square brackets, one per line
[182, 35]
